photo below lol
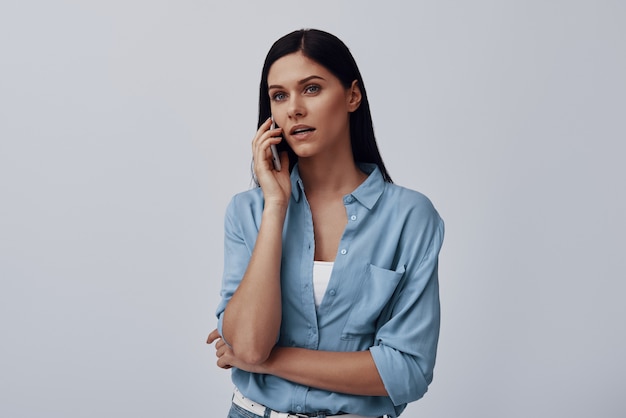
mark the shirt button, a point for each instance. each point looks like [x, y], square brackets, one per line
[344, 252]
[349, 199]
[298, 408]
[353, 217]
[332, 292]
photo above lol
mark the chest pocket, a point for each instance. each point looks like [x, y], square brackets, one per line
[372, 296]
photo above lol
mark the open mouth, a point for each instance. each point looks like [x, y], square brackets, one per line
[301, 131]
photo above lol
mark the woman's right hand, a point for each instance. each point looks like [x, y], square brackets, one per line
[276, 185]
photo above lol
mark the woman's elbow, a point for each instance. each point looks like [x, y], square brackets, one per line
[250, 354]
[250, 345]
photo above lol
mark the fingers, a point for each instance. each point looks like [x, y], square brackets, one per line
[221, 348]
[224, 355]
[213, 335]
[221, 362]
[222, 351]
[264, 129]
[264, 137]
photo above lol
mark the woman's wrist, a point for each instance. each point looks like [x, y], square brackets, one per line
[275, 208]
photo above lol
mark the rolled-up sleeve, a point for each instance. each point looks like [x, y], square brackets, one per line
[406, 341]
[237, 253]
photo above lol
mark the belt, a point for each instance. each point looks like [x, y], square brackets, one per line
[258, 409]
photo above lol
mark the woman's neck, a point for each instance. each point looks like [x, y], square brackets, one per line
[336, 176]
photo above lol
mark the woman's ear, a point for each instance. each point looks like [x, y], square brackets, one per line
[354, 96]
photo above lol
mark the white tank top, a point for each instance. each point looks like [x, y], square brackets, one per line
[321, 276]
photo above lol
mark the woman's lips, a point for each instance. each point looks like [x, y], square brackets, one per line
[301, 132]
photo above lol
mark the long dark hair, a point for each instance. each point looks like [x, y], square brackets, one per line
[332, 53]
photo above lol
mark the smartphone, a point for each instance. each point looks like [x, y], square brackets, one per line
[275, 156]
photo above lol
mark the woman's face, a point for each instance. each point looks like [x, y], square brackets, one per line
[311, 105]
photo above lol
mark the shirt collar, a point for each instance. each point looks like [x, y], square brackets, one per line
[367, 193]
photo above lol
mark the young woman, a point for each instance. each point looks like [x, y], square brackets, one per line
[330, 302]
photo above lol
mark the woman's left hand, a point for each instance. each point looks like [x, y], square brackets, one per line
[226, 358]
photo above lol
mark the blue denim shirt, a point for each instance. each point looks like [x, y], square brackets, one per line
[383, 294]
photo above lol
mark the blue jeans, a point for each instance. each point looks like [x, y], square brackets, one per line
[238, 412]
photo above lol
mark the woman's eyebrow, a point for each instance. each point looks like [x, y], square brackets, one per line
[303, 81]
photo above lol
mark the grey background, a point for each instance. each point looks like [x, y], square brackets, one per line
[125, 129]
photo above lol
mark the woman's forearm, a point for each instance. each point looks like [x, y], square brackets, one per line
[252, 316]
[346, 372]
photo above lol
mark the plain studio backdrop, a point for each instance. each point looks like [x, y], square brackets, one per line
[125, 128]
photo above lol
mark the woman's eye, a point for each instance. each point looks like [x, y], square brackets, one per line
[312, 89]
[278, 96]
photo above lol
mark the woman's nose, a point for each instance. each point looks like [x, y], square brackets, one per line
[296, 107]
